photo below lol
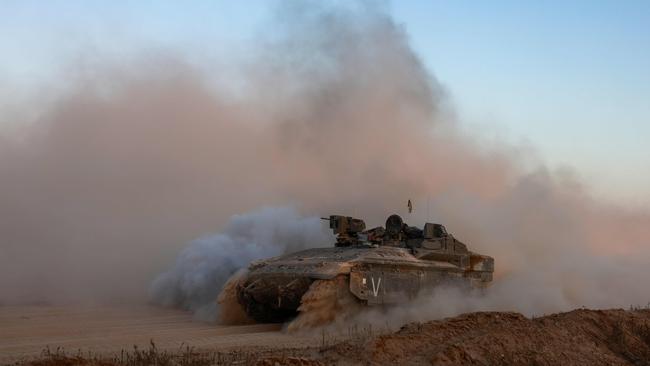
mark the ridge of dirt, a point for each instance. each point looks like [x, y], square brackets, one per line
[578, 337]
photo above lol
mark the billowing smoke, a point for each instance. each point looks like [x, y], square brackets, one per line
[201, 269]
[333, 113]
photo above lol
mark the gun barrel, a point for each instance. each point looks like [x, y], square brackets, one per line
[326, 218]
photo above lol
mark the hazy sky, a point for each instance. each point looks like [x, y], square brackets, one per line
[572, 79]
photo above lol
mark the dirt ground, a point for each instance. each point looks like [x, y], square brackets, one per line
[25, 331]
[579, 337]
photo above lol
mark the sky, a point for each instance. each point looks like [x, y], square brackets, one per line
[569, 80]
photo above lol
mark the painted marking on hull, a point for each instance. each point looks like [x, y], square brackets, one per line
[375, 290]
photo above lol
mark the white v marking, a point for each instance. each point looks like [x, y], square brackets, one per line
[375, 290]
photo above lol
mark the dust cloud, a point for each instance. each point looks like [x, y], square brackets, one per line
[202, 269]
[333, 113]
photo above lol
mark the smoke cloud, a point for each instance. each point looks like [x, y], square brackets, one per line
[201, 269]
[333, 114]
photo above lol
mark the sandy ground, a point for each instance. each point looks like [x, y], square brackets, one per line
[26, 330]
[578, 337]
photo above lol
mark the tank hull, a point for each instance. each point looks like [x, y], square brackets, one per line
[374, 275]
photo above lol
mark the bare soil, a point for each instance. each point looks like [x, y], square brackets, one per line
[579, 337]
[25, 331]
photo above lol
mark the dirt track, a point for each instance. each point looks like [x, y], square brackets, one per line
[26, 331]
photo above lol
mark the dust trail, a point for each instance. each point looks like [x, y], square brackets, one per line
[334, 113]
[325, 302]
[229, 310]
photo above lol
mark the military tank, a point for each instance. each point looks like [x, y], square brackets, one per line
[381, 266]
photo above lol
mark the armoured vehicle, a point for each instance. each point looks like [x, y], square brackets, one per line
[383, 265]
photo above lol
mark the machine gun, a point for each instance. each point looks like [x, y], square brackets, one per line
[346, 229]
